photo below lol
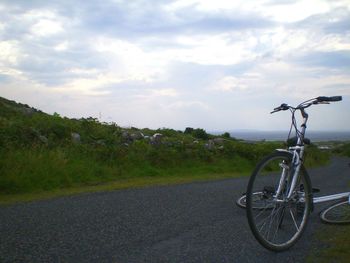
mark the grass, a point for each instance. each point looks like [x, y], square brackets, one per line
[39, 159]
[343, 149]
[40, 172]
[159, 180]
[334, 241]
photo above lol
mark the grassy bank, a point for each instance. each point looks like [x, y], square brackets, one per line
[40, 172]
[343, 149]
[333, 243]
[46, 155]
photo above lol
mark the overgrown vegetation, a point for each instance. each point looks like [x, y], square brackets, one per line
[332, 245]
[42, 152]
[343, 149]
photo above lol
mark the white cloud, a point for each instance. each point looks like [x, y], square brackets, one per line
[295, 11]
[9, 53]
[173, 64]
[165, 92]
[63, 46]
[214, 49]
[130, 59]
[46, 27]
[90, 85]
[230, 83]
[279, 11]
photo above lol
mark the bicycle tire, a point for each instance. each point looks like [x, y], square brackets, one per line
[259, 201]
[279, 228]
[241, 201]
[337, 213]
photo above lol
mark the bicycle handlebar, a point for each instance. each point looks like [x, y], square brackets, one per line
[308, 103]
[283, 106]
[326, 99]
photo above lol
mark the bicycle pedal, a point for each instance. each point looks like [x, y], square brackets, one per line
[316, 190]
[269, 189]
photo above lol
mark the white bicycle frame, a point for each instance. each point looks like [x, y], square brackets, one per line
[298, 153]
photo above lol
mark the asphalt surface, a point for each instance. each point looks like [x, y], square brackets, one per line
[197, 222]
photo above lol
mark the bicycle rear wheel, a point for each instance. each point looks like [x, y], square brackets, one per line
[278, 225]
[338, 213]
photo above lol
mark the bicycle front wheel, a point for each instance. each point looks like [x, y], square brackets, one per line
[260, 200]
[338, 213]
[281, 221]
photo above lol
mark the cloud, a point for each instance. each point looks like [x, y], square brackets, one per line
[187, 105]
[9, 53]
[335, 21]
[172, 62]
[230, 83]
[333, 60]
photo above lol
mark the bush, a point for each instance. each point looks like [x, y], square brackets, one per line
[226, 135]
[197, 133]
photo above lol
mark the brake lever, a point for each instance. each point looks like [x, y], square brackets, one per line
[283, 106]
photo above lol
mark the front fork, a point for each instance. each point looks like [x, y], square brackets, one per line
[288, 175]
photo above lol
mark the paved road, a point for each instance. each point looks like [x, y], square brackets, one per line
[195, 222]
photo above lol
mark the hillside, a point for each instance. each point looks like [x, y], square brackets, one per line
[42, 152]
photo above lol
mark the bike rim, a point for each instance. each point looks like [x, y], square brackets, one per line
[337, 214]
[280, 224]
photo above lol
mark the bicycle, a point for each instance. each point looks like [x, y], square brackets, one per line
[279, 196]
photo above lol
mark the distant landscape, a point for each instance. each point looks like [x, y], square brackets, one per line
[315, 136]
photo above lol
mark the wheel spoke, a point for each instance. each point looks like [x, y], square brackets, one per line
[295, 223]
[277, 224]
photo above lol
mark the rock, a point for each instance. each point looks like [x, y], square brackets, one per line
[221, 147]
[43, 139]
[195, 142]
[130, 137]
[101, 142]
[210, 145]
[156, 139]
[136, 136]
[36, 134]
[76, 137]
[125, 135]
[219, 140]
[28, 111]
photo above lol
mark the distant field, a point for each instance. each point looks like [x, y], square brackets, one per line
[315, 136]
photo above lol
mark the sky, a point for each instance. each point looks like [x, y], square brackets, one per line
[219, 65]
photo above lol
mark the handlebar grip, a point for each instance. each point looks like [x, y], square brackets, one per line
[336, 98]
[283, 106]
[326, 99]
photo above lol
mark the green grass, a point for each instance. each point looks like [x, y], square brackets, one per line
[334, 241]
[343, 149]
[40, 172]
[38, 158]
[160, 180]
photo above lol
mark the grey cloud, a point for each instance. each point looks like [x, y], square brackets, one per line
[48, 66]
[335, 59]
[151, 26]
[86, 19]
[336, 21]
